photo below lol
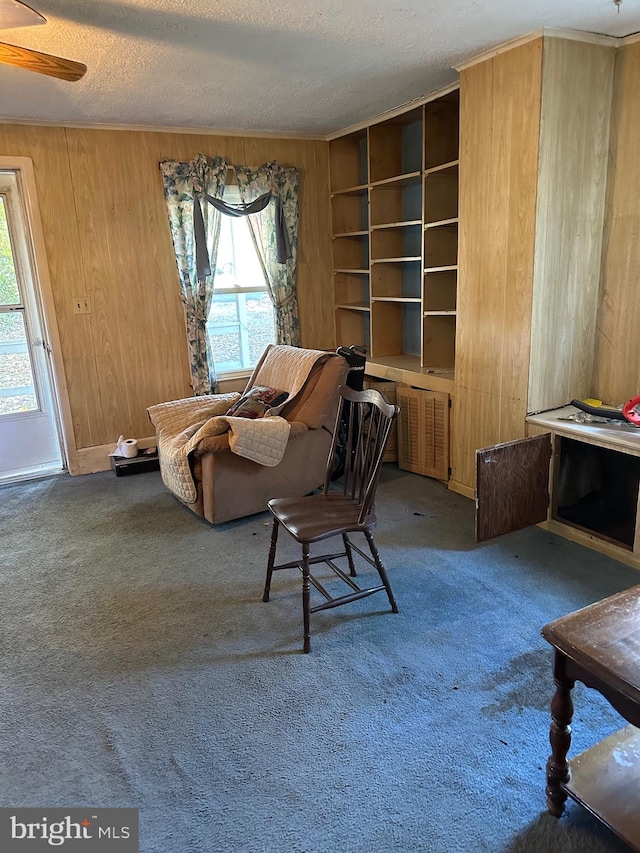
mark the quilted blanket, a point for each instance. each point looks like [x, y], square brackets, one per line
[182, 424]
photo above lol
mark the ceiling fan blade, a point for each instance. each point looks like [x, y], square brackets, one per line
[43, 63]
[16, 14]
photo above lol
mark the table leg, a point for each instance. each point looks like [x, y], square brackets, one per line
[559, 736]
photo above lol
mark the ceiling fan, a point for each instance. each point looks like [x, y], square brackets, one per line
[13, 13]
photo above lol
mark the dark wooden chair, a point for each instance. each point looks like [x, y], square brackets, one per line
[339, 511]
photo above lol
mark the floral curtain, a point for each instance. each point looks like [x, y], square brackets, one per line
[282, 182]
[181, 183]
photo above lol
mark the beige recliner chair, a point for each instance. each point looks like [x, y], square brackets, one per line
[225, 485]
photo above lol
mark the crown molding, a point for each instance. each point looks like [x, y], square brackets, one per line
[633, 38]
[546, 32]
[192, 131]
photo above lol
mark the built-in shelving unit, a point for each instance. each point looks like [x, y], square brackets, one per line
[394, 191]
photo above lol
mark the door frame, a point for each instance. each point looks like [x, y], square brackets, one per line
[25, 176]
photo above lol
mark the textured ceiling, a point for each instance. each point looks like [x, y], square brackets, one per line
[289, 66]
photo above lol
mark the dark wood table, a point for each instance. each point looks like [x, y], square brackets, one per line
[599, 646]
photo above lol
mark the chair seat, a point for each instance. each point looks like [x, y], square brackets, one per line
[317, 517]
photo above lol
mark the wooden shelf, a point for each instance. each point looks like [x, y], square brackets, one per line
[354, 306]
[352, 272]
[444, 313]
[350, 234]
[404, 224]
[442, 223]
[401, 260]
[441, 269]
[397, 181]
[358, 190]
[407, 369]
[609, 787]
[452, 164]
[408, 299]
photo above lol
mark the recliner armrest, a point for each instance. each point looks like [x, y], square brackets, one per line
[178, 414]
[220, 443]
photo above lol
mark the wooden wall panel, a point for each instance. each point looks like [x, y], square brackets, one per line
[47, 147]
[576, 105]
[107, 237]
[616, 375]
[500, 109]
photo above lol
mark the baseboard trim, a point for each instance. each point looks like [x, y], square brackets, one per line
[461, 489]
[92, 460]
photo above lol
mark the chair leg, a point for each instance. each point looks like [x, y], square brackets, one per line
[381, 570]
[306, 598]
[349, 552]
[272, 558]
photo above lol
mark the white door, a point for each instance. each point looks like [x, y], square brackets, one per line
[29, 434]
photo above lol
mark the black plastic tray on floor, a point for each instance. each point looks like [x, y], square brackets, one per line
[123, 465]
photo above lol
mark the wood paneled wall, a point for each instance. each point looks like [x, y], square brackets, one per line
[577, 81]
[500, 117]
[533, 164]
[617, 349]
[107, 238]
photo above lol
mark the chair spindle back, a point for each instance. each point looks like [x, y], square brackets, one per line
[364, 421]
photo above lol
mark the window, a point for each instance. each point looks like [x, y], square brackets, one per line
[17, 386]
[241, 320]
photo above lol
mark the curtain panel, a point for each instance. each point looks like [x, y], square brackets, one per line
[182, 184]
[278, 217]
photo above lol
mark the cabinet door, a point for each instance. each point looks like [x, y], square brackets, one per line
[512, 486]
[423, 432]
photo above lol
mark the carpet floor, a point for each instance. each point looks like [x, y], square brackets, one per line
[141, 668]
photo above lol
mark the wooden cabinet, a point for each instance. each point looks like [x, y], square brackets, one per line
[420, 438]
[394, 190]
[423, 432]
[581, 481]
[533, 165]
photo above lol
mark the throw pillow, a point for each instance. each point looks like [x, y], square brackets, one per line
[257, 402]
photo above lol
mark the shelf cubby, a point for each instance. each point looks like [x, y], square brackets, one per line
[398, 242]
[396, 279]
[440, 289]
[391, 203]
[441, 246]
[438, 341]
[350, 211]
[395, 146]
[348, 161]
[395, 328]
[351, 289]
[351, 252]
[441, 195]
[441, 129]
[353, 327]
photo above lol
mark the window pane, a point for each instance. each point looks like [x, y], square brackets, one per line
[17, 392]
[260, 322]
[8, 282]
[240, 327]
[237, 264]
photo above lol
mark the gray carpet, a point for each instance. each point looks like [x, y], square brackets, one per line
[141, 668]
